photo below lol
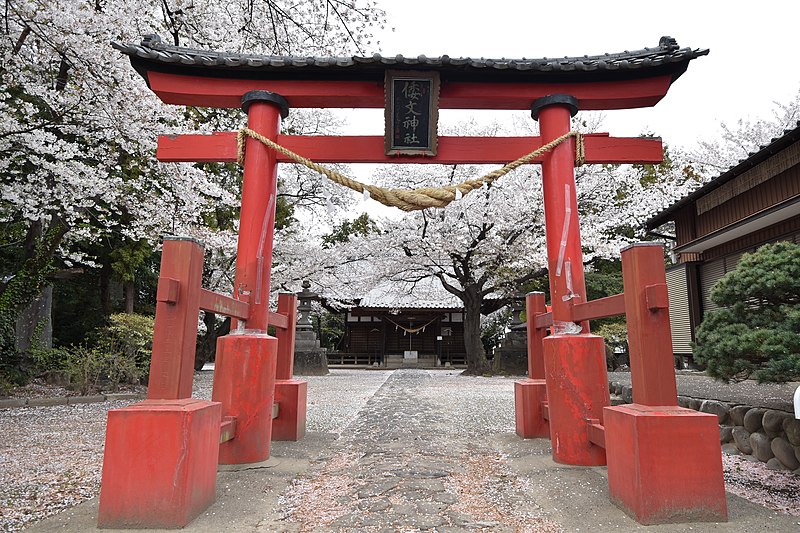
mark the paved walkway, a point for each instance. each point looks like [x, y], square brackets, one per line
[428, 451]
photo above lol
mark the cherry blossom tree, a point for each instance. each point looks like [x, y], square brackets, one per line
[78, 126]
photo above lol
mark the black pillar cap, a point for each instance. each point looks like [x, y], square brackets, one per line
[554, 99]
[265, 96]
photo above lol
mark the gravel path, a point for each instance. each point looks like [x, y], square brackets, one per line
[408, 449]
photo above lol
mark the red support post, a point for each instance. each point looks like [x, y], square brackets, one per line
[564, 254]
[244, 377]
[290, 394]
[575, 369]
[177, 307]
[259, 196]
[535, 305]
[530, 393]
[287, 306]
[647, 316]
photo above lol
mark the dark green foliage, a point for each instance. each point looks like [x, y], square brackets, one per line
[329, 328]
[361, 226]
[757, 333]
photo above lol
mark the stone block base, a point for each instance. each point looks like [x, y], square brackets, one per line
[291, 396]
[160, 463]
[653, 476]
[528, 397]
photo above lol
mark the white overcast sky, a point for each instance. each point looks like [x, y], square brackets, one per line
[753, 61]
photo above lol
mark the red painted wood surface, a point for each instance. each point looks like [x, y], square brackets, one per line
[257, 218]
[577, 390]
[222, 92]
[600, 308]
[564, 254]
[292, 395]
[244, 383]
[530, 395]
[535, 307]
[652, 477]
[223, 305]
[649, 337]
[222, 147]
[159, 464]
[287, 307]
[175, 332]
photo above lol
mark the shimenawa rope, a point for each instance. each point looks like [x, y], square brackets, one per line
[414, 199]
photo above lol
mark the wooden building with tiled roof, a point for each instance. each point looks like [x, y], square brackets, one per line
[755, 202]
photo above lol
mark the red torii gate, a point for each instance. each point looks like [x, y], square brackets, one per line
[574, 397]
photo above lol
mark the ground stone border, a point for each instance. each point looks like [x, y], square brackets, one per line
[770, 436]
[68, 400]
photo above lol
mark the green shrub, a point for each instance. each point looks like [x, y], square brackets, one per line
[757, 331]
[128, 341]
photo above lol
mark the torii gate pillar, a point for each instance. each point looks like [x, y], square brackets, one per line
[244, 376]
[575, 368]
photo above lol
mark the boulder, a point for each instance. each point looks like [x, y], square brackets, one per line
[730, 449]
[784, 452]
[791, 427]
[753, 419]
[627, 394]
[774, 464]
[773, 422]
[742, 439]
[684, 401]
[761, 447]
[716, 408]
[695, 404]
[725, 434]
[737, 414]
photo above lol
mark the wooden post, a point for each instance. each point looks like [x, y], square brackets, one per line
[177, 307]
[647, 316]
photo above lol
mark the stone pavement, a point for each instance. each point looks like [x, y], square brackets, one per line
[429, 451]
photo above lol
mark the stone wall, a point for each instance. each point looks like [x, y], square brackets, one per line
[771, 436]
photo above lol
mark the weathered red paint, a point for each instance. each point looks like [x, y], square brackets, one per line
[529, 396]
[577, 390]
[223, 305]
[649, 337]
[223, 147]
[257, 218]
[291, 395]
[244, 382]
[600, 308]
[159, 464]
[530, 393]
[287, 307]
[535, 306]
[564, 254]
[222, 92]
[651, 474]
[175, 332]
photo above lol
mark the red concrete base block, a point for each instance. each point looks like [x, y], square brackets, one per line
[577, 390]
[290, 394]
[160, 463]
[653, 475]
[244, 382]
[528, 397]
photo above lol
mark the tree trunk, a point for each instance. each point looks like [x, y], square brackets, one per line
[105, 290]
[477, 364]
[130, 296]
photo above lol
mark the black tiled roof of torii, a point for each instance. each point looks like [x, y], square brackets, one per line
[153, 54]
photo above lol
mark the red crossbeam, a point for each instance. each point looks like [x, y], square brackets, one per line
[600, 308]
[223, 305]
[278, 320]
[597, 432]
[227, 92]
[222, 147]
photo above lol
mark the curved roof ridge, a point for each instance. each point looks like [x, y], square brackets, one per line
[667, 55]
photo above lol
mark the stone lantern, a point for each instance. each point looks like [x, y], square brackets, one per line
[309, 358]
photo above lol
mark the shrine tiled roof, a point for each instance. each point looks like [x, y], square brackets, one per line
[666, 58]
[789, 137]
[426, 293]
